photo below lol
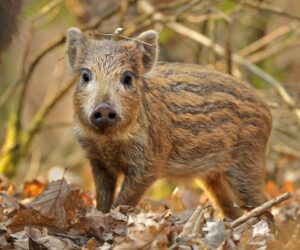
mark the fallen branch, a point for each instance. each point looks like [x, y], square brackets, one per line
[259, 210]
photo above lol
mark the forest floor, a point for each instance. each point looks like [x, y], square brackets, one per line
[61, 216]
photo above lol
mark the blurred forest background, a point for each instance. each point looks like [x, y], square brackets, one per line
[256, 41]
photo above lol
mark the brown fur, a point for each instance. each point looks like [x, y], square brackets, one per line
[178, 120]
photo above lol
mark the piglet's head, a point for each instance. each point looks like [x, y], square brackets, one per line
[108, 94]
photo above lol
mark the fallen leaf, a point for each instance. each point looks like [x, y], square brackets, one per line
[8, 204]
[272, 189]
[261, 228]
[22, 244]
[52, 242]
[288, 186]
[34, 245]
[216, 234]
[50, 203]
[91, 244]
[27, 217]
[145, 232]
[33, 188]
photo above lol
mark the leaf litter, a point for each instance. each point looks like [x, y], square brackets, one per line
[60, 216]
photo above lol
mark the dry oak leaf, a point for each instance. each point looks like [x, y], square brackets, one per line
[25, 217]
[56, 200]
[105, 227]
[216, 234]
[93, 223]
[146, 231]
[52, 242]
[8, 204]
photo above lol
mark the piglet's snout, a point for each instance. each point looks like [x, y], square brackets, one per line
[104, 115]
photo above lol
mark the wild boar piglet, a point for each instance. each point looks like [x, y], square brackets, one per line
[148, 120]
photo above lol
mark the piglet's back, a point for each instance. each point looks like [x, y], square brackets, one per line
[210, 117]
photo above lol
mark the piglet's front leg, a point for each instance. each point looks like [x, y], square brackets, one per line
[133, 187]
[105, 182]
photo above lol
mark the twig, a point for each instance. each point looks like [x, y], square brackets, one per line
[275, 49]
[186, 7]
[205, 17]
[171, 4]
[228, 51]
[259, 210]
[44, 11]
[268, 38]
[213, 34]
[117, 34]
[286, 150]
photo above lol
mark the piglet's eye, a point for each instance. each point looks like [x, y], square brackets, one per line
[127, 79]
[86, 76]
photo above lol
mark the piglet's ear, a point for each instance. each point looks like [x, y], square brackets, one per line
[75, 40]
[148, 44]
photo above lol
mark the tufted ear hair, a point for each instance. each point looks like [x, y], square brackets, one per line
[75, 40]
[148, 44]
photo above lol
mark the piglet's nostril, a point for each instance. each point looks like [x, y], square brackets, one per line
[112, 115]
[97, 115]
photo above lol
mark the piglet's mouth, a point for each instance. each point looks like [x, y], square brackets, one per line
[105, 126]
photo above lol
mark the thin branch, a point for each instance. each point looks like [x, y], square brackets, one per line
[268, 38]
[183, 9]
[205, 17]
[275, 49]
[171, 4]
[228, 50]
[46, 11]
[259, 210]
